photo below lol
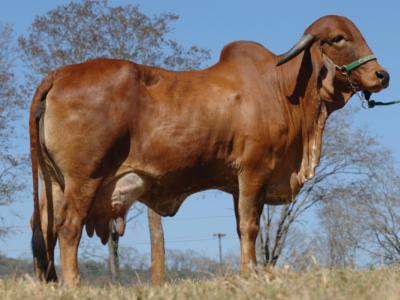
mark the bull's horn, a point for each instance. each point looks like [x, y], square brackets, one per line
[303, 43]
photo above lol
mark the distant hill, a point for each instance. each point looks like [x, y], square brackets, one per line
[10, 267]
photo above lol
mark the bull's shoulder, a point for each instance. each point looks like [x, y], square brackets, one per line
[244, 50]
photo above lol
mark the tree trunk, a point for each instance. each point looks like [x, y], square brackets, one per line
[113, 260]
[157, 247]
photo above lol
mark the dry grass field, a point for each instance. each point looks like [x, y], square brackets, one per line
[377, 284]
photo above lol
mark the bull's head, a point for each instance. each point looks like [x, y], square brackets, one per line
[346, 58]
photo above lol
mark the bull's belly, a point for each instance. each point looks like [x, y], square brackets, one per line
[166, 190]
[163, 194]
[166, 196]
[115, 198]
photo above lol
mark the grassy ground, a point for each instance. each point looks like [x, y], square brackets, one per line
[316, 284]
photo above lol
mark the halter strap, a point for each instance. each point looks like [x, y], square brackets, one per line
[355, 64]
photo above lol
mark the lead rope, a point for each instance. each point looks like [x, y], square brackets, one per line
[373, 103]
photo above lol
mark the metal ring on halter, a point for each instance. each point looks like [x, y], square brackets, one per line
[365, 104]
[343, 70]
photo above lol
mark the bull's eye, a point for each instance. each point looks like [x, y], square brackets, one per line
[337, 39]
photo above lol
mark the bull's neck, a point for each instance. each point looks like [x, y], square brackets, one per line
[306, 111]
[298, 82]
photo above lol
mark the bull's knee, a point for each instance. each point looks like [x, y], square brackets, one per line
[249, 231]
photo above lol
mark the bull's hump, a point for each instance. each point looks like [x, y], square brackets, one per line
[244, 50]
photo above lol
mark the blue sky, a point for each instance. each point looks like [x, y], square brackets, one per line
[212, 24]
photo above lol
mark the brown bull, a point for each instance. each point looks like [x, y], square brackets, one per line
[105, 133]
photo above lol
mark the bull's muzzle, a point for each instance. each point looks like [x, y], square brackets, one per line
[383, 77]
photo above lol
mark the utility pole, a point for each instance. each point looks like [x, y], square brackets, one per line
[220, 235]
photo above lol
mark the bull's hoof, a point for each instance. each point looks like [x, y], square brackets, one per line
[52, 277]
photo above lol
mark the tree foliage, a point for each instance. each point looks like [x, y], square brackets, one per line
[10, 105]
[76, 32]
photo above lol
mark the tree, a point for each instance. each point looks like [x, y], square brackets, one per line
[348, 158]
[76, 32]
[189, 263]
[339, 236]
[10, 105]
[381, 213]
[368, 221]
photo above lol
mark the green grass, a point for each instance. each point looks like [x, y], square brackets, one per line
[374, 284]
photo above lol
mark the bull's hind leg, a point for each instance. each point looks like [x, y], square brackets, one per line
[79, 195]
[49, 211]
[45, 269]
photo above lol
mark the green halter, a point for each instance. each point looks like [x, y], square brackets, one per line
[355, 64]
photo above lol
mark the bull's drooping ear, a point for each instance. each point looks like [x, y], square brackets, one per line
[305, 41]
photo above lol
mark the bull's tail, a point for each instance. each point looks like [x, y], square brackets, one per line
[36, 111]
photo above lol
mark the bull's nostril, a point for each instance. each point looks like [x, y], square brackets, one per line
[383, 76]
[380, 75]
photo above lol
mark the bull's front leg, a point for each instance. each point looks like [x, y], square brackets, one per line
[248, 208]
